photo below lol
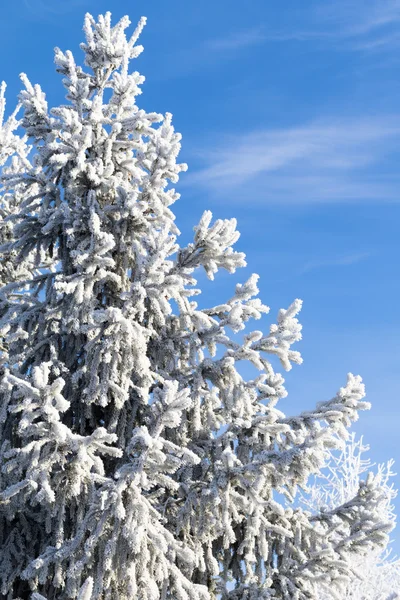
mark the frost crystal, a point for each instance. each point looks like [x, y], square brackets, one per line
[136, 462]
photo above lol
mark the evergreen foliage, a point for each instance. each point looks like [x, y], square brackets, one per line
[376, 574]
[136, 462]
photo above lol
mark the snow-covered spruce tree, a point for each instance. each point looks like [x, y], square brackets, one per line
[376, 574]
[136, 462]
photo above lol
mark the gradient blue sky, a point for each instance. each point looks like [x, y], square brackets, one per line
[291, 122]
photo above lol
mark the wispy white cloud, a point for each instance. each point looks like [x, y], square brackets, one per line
[40, 8]
[325, 161]
[363, 25]
[210, 53]
[236, 41]
[378, 43]
[359, 17]
[334, 261]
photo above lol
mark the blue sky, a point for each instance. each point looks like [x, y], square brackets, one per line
[291, 122]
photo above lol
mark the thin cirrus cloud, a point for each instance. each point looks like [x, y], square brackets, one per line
[236, 41]
[334, 261]
[40, 8]
[325, 161]
[210, 53]
[359, 17]
[348, 25]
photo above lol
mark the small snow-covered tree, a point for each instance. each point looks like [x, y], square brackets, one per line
[136, 461]
[376, 575]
